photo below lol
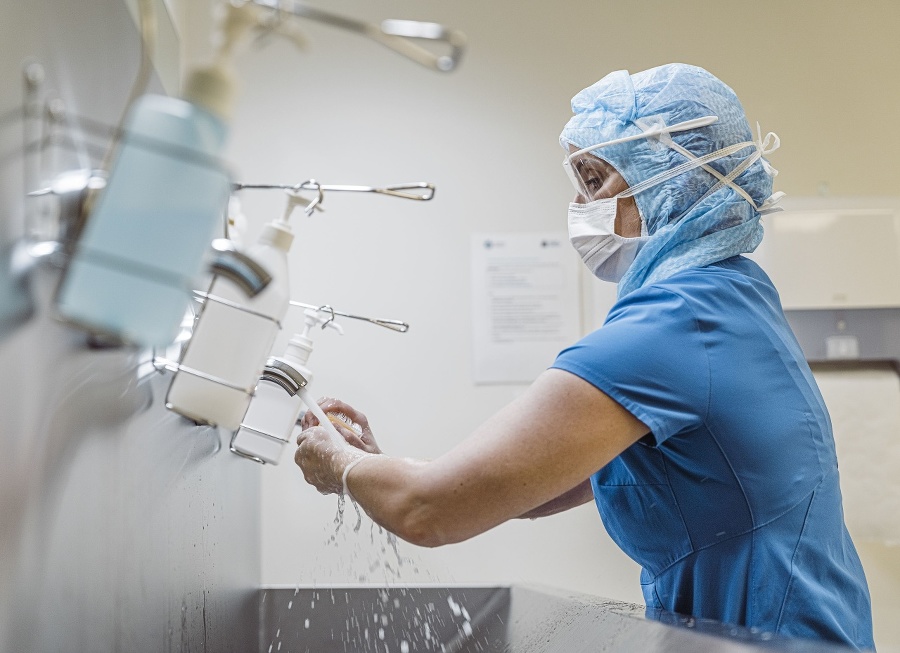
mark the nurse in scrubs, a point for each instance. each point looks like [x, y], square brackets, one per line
[690, 418]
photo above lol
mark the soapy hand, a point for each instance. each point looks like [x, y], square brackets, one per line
[321, 459]
[364, 439]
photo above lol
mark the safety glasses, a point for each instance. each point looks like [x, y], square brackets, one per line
[573, 172]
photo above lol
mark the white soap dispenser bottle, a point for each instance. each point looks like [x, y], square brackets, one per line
[233, 336]
[273, 411]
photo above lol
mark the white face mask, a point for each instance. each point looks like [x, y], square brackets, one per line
[592, 233]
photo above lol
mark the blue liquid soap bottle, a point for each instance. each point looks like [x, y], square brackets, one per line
[146, 241]
[273, 411]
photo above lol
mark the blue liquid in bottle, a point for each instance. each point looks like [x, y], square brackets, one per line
[146, 240]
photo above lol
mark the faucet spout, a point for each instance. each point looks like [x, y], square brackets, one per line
[284, 375]
[228, 261]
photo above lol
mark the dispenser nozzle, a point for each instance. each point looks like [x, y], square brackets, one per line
[314, 317]
[295, 199]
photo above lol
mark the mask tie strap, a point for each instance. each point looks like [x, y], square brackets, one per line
[664, 139]
[766, 146]
[763, 146]
[715, 173]
[695, 162]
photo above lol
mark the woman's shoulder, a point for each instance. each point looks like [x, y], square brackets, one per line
[734, 280]
[734, 290]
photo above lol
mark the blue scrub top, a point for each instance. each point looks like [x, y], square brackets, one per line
[731, 504]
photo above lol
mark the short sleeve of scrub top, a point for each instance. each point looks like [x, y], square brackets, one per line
[647, 357]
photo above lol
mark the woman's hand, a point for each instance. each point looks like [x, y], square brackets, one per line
[323, 460]
[364, 440]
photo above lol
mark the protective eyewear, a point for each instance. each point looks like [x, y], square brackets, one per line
[573, 172]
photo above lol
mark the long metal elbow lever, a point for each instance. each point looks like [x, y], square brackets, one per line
[247, 274]
[397, 190]
[393, 325]
[394, 34]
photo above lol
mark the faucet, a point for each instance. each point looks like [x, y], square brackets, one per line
[228, 261]
[285, 375]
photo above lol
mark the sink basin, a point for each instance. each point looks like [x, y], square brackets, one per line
[514, 619]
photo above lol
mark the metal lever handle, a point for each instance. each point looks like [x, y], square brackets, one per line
[393, 325]
[393, 191]
[394, 34]
[397, 190]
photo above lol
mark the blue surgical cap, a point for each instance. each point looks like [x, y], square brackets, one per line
[684, 231]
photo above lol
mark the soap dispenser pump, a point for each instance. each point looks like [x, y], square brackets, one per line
[233, 335]
[280, 395]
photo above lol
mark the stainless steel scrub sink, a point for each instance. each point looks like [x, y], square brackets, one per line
[490, 619]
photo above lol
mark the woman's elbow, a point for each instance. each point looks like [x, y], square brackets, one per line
[422, 526]
[421, 518]
[419, 513]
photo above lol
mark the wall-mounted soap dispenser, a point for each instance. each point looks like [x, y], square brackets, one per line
[234, 334]
[144, 243]
[148, 232]
[273, 411]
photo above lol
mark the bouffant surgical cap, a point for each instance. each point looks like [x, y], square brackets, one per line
[693, 219]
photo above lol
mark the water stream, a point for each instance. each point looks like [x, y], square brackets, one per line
[386, 556]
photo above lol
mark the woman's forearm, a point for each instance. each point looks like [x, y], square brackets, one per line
[531, 458]
[396, 494]
[432, 503]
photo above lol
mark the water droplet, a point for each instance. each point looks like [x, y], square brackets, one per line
[404, 647]
[306, 623]
[467, 628]
[290, 604]
[381, 633]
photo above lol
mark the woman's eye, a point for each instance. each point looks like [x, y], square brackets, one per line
[594, 182]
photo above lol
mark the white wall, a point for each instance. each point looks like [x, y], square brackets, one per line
[350, 111]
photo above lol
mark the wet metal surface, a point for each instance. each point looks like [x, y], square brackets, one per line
[123, 527]
[489, 620]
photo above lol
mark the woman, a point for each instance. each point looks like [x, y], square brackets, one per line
[690, 417]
